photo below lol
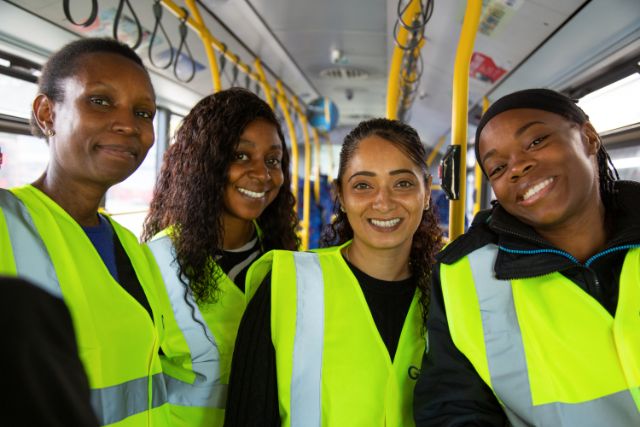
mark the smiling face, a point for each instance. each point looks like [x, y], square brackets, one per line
[255, 175]
[384, 195]
[103, 124]
[542, 167]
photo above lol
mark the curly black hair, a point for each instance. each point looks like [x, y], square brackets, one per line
[190, 189]
[65, 63]
[427, 240]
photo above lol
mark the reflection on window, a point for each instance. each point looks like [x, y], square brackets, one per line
[17, 96]
[614, 106]
[627, 162]
[24, 158]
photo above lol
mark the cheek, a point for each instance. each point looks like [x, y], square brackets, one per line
[277, 176]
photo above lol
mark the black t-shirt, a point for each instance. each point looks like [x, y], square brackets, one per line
[235, 263]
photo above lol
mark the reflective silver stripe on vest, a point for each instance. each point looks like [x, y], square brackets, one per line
[508, 365]
[29, 252]
[308, 343]
[110, 407]
[206, 390]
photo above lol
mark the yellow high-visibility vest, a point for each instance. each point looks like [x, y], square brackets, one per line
[333, 368]
[551, 353]
[117, 339]
[199, 342]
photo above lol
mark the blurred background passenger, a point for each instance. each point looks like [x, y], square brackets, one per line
[222, 199]
[534, 312]
[95, 108]
[335, 337]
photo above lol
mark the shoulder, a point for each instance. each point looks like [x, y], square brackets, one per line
[478, 235]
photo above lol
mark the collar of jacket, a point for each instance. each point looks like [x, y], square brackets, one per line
[524, 253]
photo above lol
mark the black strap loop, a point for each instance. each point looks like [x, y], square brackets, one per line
[183, 44]
[247, 78]
[234, 73]
[90, 20]
[157, 13]
[223, 58]
[118, 17]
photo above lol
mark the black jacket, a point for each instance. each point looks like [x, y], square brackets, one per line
[449, 391]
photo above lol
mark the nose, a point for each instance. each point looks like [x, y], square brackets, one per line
[520, 167]
[125, 123]
[383, 201]
[259, 170]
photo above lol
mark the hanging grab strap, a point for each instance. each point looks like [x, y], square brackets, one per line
[157, 12]
[90, 20]
[118, 17]
[183, 44]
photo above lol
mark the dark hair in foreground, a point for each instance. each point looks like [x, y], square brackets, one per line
[557, 103]
[427, 239]
[189, 193]
[65, 63]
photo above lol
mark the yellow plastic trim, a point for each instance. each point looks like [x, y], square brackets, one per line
[478, 170]
[460, 99]
[263, 81]
[284, 106]
[306, 189]
[436, 150]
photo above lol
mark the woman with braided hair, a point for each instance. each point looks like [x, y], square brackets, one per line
[534, 312]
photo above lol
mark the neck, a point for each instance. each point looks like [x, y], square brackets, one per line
[582, 237]
[80, 200]
[237, 232]
[385, 264]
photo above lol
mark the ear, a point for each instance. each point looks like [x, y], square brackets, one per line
[591, 138]
[427, 193]
[43, 112]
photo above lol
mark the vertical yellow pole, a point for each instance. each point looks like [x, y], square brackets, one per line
[478, 170]
[205, 35]
[460, 99]
[306, 189]
[263, 82]
[282, 102]
[393, 84]
[316, 164]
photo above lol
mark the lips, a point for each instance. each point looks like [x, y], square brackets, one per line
[251, 194]
[536, 191]
[121, 151]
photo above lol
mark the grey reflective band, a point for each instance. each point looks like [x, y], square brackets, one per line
[508, 366]
[29, 252]
[115, 403]
[308, 342]
[206, 390]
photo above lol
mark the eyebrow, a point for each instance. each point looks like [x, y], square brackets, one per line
[253, 144]
[393, 172]
[522, 129]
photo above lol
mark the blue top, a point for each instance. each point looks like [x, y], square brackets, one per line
[101, 236]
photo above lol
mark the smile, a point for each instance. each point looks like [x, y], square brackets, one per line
[536, 189]
[252, 194]
[119, 151]
[385, 223]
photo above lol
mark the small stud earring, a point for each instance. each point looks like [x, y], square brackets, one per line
[341, 209]
[49, 132]
[426, 208]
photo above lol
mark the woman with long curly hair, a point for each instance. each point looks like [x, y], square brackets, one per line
[335, 337]
[221, 200]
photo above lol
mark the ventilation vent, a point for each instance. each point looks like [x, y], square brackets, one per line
[344, 73]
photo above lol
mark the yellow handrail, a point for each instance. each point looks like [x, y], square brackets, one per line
[205, 35]
[306, 189]
[263, 82]
[284, 106]
[316, 164]
[393, 84]
[460, 99]
[478, 175]
[436, 150]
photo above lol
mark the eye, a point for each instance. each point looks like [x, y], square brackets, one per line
[99, 100]
[404, 184]
[146, 114]
[361, 186]
[241, 156]
[538, 141]
[496, 171]
[273, 162]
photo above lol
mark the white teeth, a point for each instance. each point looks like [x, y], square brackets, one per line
[386, 224]
[536, 188]
[251, 194]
